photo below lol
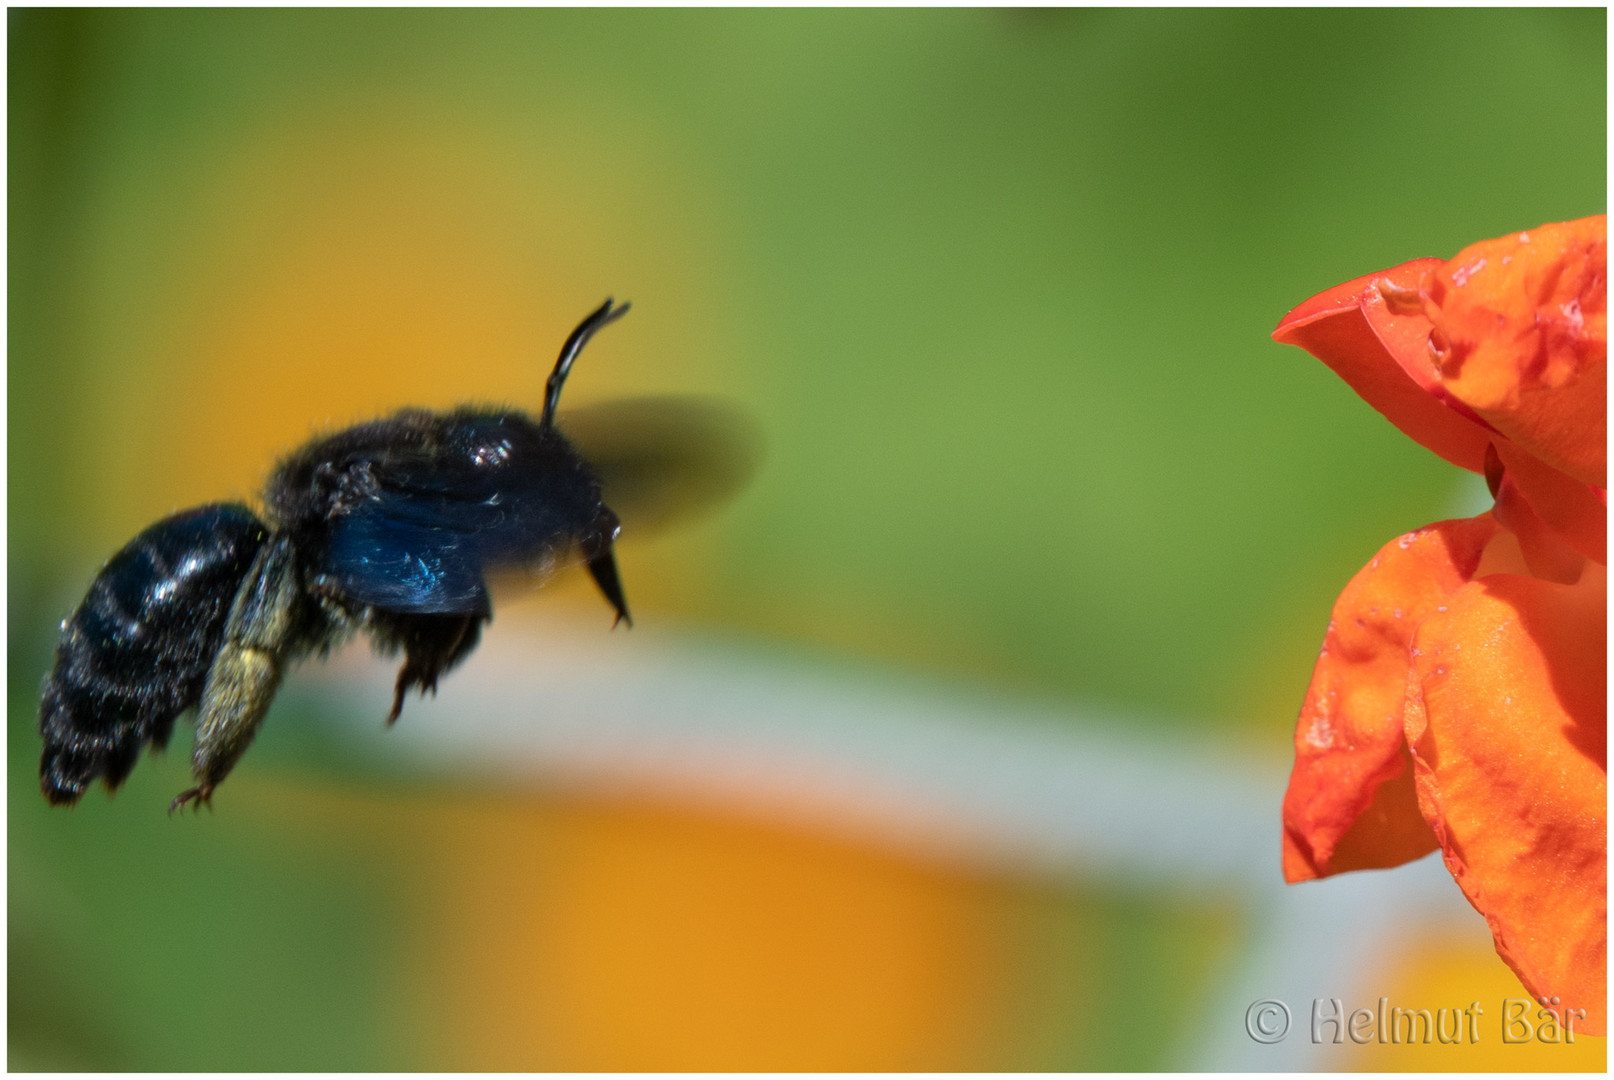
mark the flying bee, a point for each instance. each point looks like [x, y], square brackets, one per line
[389, 528]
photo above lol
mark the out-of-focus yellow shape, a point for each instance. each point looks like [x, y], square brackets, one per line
[628, 935]
[1451, 975]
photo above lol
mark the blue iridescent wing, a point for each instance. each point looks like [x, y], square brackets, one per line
[427, 522]
[380, 560]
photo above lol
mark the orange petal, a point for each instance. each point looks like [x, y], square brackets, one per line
[1354, 330]
[1522, 338]
[1544, 552]
[1350, 801]
[1506, 715]
[1577, 512]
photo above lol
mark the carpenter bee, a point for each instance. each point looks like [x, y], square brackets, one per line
[390, 528]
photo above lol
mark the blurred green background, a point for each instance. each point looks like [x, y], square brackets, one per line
[995, 288]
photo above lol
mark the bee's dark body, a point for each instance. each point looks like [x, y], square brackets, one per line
[385, 528]
[136, 653]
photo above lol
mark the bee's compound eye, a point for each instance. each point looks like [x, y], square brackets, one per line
[491, 454]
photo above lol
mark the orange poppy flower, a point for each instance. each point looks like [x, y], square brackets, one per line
[1459, 699]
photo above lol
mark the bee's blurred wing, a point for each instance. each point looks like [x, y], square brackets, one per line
[662, 459]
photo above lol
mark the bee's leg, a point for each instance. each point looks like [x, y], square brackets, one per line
[200, 796]
[602, 567]
[598, 549]
[432, 644]
[246, 672]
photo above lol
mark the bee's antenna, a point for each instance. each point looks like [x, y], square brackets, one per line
[603, 316]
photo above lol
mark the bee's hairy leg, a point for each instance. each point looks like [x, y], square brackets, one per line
[245, 674]
[432, 644]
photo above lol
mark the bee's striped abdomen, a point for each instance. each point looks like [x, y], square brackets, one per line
[136, 652]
